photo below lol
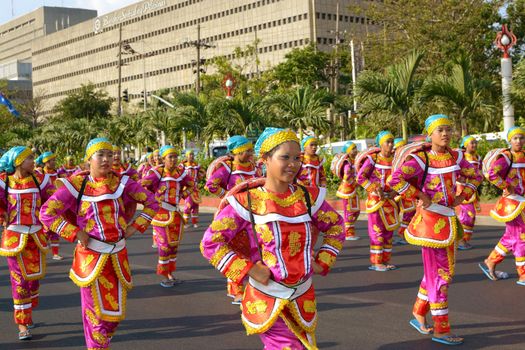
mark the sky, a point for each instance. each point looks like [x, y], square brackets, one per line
[21, 7]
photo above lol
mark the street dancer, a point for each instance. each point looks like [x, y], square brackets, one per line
[24, 242]
[68, 168]
[506, 170]
[343, 167]
[429, 172]
[100, 266]
[312, 172]
[276, 217]
[373, 169]
[468, 209]
[191, 202]
[223, 174]
[407, 208]
[170, 183]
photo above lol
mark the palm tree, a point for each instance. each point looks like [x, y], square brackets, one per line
[302, 108]
[462, 91]
[245, 114]
[393, 92]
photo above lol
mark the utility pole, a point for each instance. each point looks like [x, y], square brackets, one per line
[336, 58]
[144, 75]
[119, 98]
[198, 44]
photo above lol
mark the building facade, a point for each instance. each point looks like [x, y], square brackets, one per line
[17, 37]
[158, 40]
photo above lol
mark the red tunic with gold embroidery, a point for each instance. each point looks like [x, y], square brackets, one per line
[285, 237]
[312, 172]
[23, 203]
[101, 215]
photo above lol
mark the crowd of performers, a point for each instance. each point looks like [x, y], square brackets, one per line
[264, 234]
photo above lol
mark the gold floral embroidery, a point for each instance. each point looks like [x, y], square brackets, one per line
[408, 170]
[264, 231]
[223, 224]
[235, 269]
[283, 202]
[99, 337]
[11, 240]
[437, 197]
[471, 214]
[111, 300]
[217, 257]
[21, 291]
[418, 219]
[269, 259]
[217, 237]
[442, 156]
[53, 206]
[309, 306]
[256, 307]
[294, 243]
[16, 277]
[138, 196]
[91, 317]
[334, 230]
[327, 258]
[334, 243]
[440, 224]
[85, 263]
[105, 282]
[329, 217]
[376, 229]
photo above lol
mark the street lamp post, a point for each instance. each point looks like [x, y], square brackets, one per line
[505, 40]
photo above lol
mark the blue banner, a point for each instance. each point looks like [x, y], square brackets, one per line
[4, 101]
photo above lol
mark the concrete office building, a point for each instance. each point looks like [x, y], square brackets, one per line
[163, 33]
[18, 35]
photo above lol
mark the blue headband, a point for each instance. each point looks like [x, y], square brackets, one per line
[237, 144]
[14, 157]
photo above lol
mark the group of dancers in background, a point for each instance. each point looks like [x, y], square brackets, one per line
[263, 236]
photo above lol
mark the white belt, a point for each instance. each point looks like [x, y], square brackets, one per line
[25, 229]
[106, 248]
[169, 207]
[516, 197]
[281, 291]
[441, 209]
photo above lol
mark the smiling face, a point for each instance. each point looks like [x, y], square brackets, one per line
[283, 163]
[441, 135]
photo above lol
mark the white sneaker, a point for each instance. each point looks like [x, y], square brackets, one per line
[57, 257]
[195, 225]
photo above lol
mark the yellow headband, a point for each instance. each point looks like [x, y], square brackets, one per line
[350, 148]
[309, 141]
[97, 147]
[22, 156]
[169, 151]
[276, 139]
[514, 132]
[436, 123]
[242, 148]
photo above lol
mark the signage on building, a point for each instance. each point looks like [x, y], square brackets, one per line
[129, 12]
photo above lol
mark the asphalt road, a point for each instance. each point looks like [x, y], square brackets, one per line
[359, 309]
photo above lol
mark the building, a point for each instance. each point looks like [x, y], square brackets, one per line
[158, 40]
[18, 35]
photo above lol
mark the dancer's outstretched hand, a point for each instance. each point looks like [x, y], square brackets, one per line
[260, 272]
[130, 231]
[423, 200]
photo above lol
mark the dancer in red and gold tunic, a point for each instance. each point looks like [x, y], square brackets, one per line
[24, 242]
[223, 174]
[343, 167]
[191, 203]
[277, 220]
[312, 172]
[170, 183]
[49, 161]
[429, 173]
[468, 209]
[100, 265]
[69, 167]
[383, 217]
